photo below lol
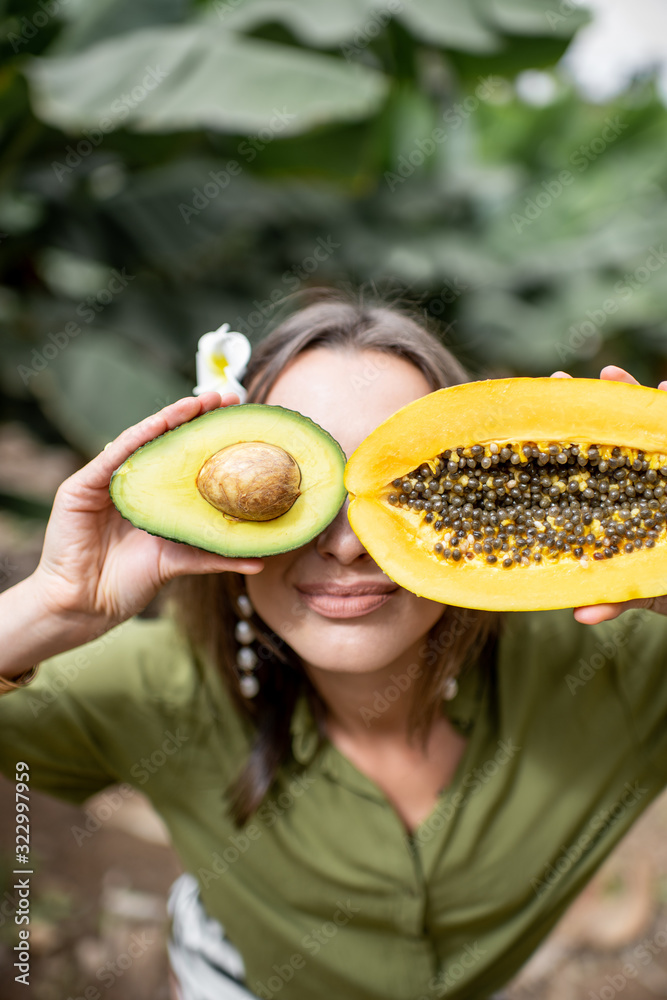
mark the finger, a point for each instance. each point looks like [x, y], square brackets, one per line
[612, 373]
[593, 614]
[179, 559]
[560, 375]
[663, 386]
[97, 472]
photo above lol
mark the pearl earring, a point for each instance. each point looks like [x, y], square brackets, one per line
[450, 688]
[246, 657]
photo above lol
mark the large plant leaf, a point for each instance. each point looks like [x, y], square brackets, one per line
[99, 385]
[534, 17]
[315, 22]
[195, 76]
[449, 23]
[95, 20]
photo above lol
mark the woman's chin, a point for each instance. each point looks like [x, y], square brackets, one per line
[350, 658]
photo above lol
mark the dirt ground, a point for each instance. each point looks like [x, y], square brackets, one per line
[98, 913]
[97, 904]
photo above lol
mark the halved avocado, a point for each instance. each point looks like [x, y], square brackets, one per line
[250, 480]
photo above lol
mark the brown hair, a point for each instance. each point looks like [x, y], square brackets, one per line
[206, 605]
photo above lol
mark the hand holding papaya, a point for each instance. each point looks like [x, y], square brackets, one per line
[595, 613]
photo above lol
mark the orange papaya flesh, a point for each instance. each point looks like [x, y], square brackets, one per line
[518, 494]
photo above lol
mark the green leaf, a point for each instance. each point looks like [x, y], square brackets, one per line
[515, 55]
[194, 76]
[96, 20]
[453, 24]
[99, 385]
[534, 17]
[315, 22]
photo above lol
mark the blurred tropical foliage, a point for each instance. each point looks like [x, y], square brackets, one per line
[168, 165]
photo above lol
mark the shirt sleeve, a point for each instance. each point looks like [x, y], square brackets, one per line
[625, 659]
[93, 710]
[637, 643]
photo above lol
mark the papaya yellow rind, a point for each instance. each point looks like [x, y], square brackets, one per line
[585, 411]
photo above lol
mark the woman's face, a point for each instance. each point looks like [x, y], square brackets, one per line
[328, 600]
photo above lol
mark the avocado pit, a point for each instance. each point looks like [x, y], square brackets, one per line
[250, 481]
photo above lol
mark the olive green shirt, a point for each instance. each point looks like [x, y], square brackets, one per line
[322, 892]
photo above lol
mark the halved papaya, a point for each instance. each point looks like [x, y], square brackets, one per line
[518, 494]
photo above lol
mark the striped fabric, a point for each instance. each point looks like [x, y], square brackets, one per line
[204, 963]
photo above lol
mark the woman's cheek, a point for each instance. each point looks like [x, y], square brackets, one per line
[275, 602]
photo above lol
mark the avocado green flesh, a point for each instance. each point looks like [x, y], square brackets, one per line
[156, 488]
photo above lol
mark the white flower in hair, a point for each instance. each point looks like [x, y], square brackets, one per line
[222, 357]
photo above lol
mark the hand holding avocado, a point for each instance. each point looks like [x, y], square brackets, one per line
[97, 569]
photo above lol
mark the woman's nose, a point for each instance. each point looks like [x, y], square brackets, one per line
[338, 541]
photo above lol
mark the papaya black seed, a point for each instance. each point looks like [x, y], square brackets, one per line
[563, 499]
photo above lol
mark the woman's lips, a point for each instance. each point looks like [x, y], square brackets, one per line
[345, 605]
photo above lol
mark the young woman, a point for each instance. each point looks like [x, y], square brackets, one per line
[414, 794]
